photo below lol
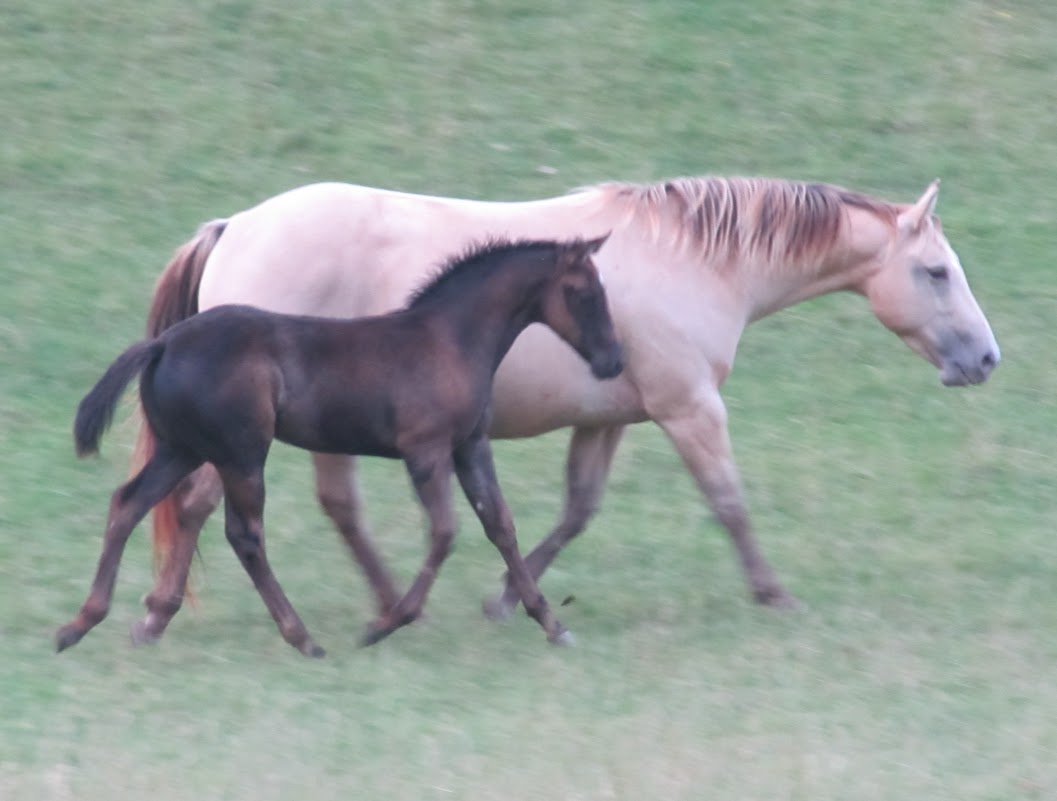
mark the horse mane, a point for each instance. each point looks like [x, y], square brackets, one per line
[783, 223]
[475, 256]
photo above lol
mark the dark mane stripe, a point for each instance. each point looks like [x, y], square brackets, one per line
[477, 255]
[738, 218]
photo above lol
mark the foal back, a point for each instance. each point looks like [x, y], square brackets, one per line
[233, 378]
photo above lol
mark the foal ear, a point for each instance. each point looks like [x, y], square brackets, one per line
[579, 249]
[912, 219]
[594, 245]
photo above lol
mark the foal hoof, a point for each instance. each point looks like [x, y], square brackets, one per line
[564, 639]
[776, 598]
[68, 635]
[375, 633]
[497, 609]
[311, 649]
[141, 635]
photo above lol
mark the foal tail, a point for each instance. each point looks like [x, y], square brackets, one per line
[175, 299]
[96, 409]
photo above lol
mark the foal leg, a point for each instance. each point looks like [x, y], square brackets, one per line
[700, 436]
[476, 471]
[587, 466]
[431, 477]
[340, 499]
[128, 506]
[195, 498]
[244, 513]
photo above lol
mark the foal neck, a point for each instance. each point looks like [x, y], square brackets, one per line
[488, 301]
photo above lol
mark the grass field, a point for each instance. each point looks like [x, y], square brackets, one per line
[915, 523]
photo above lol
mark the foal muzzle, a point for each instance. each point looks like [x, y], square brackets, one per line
[609, 363]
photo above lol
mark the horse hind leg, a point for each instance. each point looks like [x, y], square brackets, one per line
[590, 457]
[244, 513]
[431, 478]
[193, 500]
[340, 498]
[128, 506]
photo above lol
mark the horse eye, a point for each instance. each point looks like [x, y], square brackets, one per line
[580, 300]
[938, 273]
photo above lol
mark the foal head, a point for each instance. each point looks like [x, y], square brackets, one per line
[920, 292]
[574, 306]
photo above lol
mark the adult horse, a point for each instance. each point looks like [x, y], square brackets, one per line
[689, 264]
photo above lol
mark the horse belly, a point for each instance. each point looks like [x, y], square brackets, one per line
[359, 424]
[543, 385]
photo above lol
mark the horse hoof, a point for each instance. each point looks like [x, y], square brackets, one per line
[313, 650]
[564, 639]
[375, 633]
[777, 598]
[67, 636]
[497, 609]
[141, 635]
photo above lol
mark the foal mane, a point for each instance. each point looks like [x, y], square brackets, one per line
[476, 256]
[783, 223]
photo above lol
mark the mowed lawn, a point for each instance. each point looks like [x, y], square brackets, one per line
[915, 523]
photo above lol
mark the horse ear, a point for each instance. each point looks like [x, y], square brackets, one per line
[911, 219]
[594, 245]
[579, 249]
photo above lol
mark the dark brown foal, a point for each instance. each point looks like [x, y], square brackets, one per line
[219, 387]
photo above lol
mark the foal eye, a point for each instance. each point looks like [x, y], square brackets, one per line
[938, 273]
[579, 300]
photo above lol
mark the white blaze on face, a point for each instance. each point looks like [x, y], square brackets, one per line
[982, 328]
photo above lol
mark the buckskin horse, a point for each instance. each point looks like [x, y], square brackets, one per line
[689, 264]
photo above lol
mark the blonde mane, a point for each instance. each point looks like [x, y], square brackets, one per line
[782, 223]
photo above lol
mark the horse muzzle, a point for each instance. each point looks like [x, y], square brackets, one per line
[964, 372]
[608, 363]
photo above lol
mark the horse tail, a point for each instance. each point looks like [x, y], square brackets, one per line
[175, 299]
[176, 292]
[96, 409]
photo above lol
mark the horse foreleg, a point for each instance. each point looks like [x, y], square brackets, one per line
[128, 506]
[587, 466]
[476, 471]
[243, 524]
[431, 477]
[194, 500]
[700, 436]
[340, 498]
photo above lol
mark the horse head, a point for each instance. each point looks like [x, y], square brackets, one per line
[575, 307]
[920, 292]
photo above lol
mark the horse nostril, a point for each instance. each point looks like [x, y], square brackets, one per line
[989, 360]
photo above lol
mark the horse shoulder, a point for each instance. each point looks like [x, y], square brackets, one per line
[681, 332]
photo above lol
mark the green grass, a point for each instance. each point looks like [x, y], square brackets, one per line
[915, 523]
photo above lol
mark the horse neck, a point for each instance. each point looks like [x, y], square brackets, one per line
[844, 266]
[487, 316]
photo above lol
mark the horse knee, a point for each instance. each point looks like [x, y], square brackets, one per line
[94, 611]
[193, 509]
[165, 606]
[443, 543]
[503, 536]
[245, 542]
[578, 513]
[335, 504]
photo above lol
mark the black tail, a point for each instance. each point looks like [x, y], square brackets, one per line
[96, 410]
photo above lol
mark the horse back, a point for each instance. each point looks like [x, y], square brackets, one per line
[373, 386]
